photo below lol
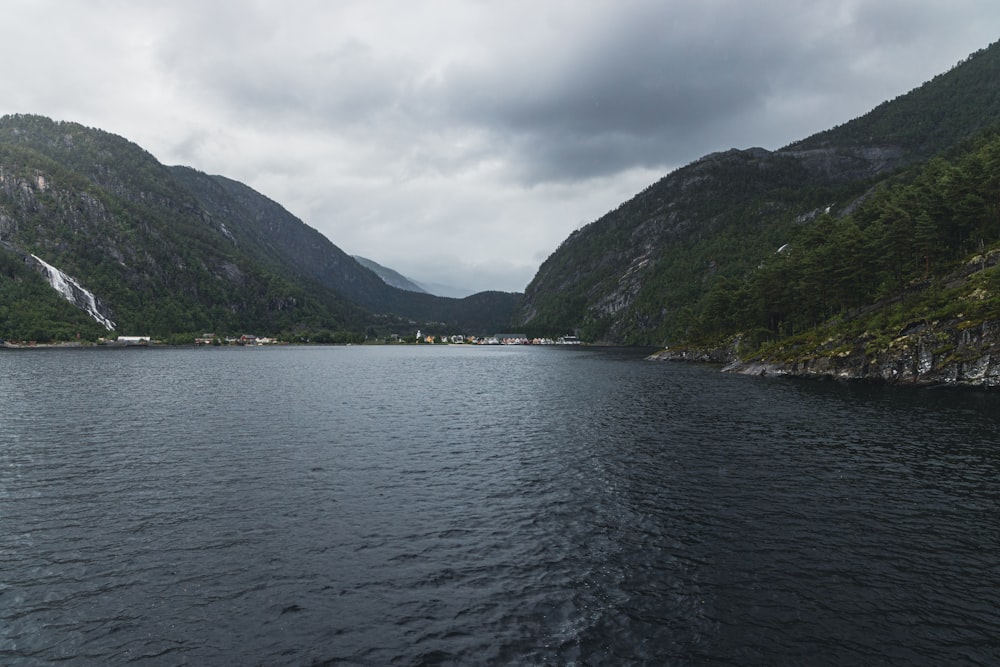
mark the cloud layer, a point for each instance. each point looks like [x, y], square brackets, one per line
[458, 141]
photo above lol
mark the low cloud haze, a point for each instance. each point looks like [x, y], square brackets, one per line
[461, 142]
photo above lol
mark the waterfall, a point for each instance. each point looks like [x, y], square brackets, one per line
[74, 292]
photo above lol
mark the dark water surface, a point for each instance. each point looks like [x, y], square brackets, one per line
[459, 505]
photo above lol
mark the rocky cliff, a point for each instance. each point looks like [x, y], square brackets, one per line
[930, 354]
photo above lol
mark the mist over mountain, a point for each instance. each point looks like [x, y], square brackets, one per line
[396, 279]
[450, 291]
[390, 276]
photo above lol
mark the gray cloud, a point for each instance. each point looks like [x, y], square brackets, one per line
[657, 84]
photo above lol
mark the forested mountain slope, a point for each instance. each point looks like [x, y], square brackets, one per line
[642, 274]
[170, 250]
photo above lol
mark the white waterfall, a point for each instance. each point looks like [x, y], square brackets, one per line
[74, 292]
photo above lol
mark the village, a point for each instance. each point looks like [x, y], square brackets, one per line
[251, 340]
[496, 339]
[419, 339]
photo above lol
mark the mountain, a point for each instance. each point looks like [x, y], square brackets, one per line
[389, 276]
[644, 272]
[168, 250]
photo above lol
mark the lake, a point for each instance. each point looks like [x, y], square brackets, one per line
[419, 505]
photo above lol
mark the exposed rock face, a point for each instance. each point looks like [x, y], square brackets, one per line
[850, 163]
[718, 355]
[939, 354]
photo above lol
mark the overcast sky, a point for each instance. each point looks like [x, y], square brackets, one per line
[461, 141]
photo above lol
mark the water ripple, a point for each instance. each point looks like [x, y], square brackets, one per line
[412, 506]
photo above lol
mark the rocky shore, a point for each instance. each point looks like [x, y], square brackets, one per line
[924, 354]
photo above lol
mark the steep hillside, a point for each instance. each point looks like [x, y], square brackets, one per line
[106, 212]
[171, 250]
[274, 237]
[642, 273]
[638, 275]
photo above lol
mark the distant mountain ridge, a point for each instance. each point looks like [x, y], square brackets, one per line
[389, 276]
[396, 279]
[170, 250]
[450, 291]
